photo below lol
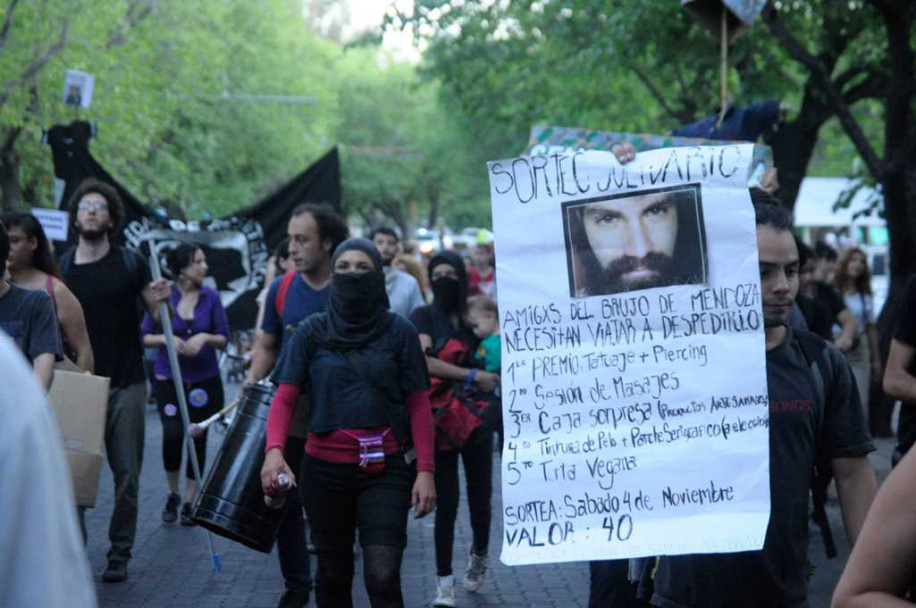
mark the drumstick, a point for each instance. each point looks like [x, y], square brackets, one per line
[197, 429]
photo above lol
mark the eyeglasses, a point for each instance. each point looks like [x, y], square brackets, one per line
[92, 205]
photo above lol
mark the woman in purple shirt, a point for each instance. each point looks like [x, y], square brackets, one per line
[200, 327]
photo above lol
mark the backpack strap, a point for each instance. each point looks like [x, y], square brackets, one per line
[814, 351]
[813, 348]
[66, 261]
[283, 291]
[131, 260]
[49, 287]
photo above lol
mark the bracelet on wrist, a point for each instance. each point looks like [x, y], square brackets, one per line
[472, 375]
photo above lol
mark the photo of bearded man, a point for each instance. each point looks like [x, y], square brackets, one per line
[631, 242]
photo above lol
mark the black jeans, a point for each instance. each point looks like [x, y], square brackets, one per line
[477, 456]
[125, 433]
[291, 546]
[610, 586]
[341, 497]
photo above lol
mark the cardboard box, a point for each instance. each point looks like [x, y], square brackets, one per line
[80, 402]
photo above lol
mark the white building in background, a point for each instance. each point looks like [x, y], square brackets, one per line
[816, 220]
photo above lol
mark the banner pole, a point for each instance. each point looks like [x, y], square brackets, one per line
[166, 321]
[723, 68]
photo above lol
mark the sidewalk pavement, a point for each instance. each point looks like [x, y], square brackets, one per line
[171, 567]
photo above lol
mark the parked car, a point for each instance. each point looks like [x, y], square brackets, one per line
[471, 236]
[430, 240]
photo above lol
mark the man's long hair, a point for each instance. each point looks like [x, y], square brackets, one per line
[108, 192]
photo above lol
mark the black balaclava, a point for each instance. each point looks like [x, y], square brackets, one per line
[357, 302]
[449, 295]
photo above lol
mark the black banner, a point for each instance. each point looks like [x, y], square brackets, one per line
[237, 246]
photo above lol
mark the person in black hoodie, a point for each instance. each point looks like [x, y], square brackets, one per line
[369, 413]
[449, 346]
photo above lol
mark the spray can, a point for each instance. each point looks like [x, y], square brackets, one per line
[279, 500]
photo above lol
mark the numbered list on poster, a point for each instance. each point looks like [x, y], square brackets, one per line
[634, 389]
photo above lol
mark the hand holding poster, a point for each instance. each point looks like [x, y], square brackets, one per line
[634, 382]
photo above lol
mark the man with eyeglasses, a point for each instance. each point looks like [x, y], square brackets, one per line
[108, 280]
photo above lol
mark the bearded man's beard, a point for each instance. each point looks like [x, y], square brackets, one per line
[91, 234]
[613, 278]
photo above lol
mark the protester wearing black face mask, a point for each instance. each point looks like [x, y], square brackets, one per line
[450, 346]
[369, 451]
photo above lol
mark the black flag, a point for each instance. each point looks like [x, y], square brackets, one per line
[237, 246]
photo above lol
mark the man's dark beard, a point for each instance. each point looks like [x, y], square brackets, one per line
[91, 235]
[612, 279]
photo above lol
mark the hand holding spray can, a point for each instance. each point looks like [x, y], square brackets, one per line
[277, 502]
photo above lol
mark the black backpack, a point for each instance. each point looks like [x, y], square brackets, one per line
[813, 348]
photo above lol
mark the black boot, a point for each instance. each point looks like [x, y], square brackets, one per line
[116, 572]
[294, 599]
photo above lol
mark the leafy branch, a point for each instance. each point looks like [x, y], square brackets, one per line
[36, 65]
[822, 76]
[7, 23]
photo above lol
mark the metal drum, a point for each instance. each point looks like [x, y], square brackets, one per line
[232, 502]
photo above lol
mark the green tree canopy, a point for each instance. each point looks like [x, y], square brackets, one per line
[207, 106]
[646, 65]
[183, 96]
[408, 159]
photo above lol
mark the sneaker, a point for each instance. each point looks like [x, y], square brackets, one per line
[170, 511]
[186, 515]
[294, 599]
[116, 572]
[445, 592]
[476, 574]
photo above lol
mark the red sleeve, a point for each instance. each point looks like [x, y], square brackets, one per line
[421, 429]
[280, 416]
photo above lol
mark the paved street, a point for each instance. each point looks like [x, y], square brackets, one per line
[171, 567]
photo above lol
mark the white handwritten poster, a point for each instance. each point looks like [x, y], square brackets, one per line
[634, 383]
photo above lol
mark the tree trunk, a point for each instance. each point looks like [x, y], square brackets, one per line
[793, 145]
[902, 254]
[401, 220]
[433, 217]
[794, 142]
[898, 175]
[10, 187]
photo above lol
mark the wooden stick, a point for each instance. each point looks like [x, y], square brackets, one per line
[723, 69]
[206, 423]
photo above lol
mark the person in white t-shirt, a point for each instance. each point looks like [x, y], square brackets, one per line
[403, 290]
